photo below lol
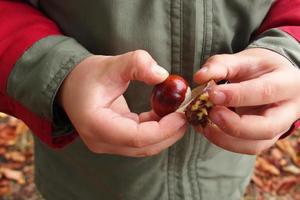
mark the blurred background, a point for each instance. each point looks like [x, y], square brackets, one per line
[276, 175]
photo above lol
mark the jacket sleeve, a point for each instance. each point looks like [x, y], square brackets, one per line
[34, 60]
[280, 32]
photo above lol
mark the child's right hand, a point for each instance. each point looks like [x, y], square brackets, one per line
[92, 97]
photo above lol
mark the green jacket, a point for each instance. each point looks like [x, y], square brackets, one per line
[180, 35]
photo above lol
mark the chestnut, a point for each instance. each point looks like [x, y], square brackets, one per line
[174, 94]
[169, 95]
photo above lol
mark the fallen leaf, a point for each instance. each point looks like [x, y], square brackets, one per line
[2, 151]
[7, 135]
[286, 146]
[4, 187]
[264, 165]
[13, 175]
[12, 165]
[15, 156]
[283, 162]
[4, 190]
[276, 154]
[291, 169]
[3, 115]
[21, 128]
[286, 184]
[257, 181]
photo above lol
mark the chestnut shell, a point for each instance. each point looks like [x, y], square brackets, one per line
[168, 95]
[197, 111]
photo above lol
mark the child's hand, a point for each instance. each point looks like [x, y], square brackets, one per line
[92, 97]
[264, 89]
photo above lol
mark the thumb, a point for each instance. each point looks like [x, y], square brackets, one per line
[139, 65]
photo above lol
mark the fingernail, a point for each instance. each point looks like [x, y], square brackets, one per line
[203, 69]
[218, 97]
[160, 71]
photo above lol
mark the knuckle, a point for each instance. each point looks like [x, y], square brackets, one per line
[137, 142]
[235, 131]
[235, 97]
[140, 59]
[268, 91]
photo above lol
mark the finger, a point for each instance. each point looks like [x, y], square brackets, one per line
[269, 88]
[110, 127]
[224, 67]
[245, 65]
[149, 116]
[139, 65]
[272, 122]
[150, 150]
[225, 141]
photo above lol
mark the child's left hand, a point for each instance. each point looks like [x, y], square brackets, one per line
[264, 89]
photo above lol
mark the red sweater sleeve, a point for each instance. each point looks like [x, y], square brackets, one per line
[20, 27]
[284, 15]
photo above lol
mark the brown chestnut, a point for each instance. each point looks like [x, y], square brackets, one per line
[169, 95]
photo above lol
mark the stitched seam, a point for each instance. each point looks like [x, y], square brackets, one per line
[171, 151]
[181, 36]
[169, 186]
[53, 86]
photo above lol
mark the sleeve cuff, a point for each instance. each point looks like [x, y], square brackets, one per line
[280, 42]
[37, 76]
[284, 44]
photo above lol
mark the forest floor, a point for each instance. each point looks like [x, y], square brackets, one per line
[276, 175]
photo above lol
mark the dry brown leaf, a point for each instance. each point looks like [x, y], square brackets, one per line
[3, 115]
[7, 135]
[4, 190]
[269, 185]
[283, 162]
[291, 169]
[2, 151]
[12, 165]
[15, 156]
[13, 175]
[4, 187]
[21, 128]
[266, 166]
[286, 146]
[286, 184]
[257, 181]
[276, 154]
[13, 121]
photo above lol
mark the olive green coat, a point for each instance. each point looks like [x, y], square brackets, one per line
[180, 35]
